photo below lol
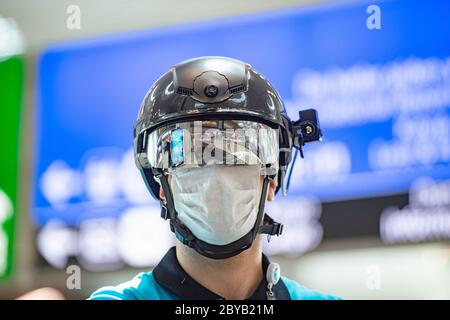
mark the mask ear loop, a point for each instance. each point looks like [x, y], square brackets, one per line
[271, 227]
[168, 211]
[262, 202]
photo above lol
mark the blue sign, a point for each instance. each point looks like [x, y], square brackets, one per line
[382, 90]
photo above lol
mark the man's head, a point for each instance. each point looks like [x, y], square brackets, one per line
[213, 142]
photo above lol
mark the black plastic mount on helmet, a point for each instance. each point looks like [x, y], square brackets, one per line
[217, 88]
[306, 129]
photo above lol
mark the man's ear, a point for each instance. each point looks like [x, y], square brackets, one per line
[271, 189]
[162, 195]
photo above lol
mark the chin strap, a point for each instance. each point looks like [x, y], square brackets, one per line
[269, 227]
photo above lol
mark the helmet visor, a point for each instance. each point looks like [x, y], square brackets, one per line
[201, 143]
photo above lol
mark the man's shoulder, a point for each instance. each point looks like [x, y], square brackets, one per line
[142, 287]
[299, 292]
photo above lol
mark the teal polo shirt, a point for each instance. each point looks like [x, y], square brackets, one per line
[168, 281]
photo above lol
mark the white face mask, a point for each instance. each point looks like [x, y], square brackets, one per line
[218, 203]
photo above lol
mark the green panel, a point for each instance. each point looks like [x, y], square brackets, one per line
[11, 82]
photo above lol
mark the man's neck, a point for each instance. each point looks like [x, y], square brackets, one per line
[233, 278]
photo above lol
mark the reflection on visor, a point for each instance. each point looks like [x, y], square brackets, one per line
[200, 143]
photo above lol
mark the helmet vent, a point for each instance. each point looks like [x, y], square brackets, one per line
[237, 89]
[185, 91]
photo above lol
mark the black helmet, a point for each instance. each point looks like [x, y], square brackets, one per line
[208, 88]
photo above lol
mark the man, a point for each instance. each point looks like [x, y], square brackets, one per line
[213, 142]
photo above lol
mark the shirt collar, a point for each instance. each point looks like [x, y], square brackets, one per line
[171, 276]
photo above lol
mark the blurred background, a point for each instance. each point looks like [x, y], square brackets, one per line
[368, 210]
